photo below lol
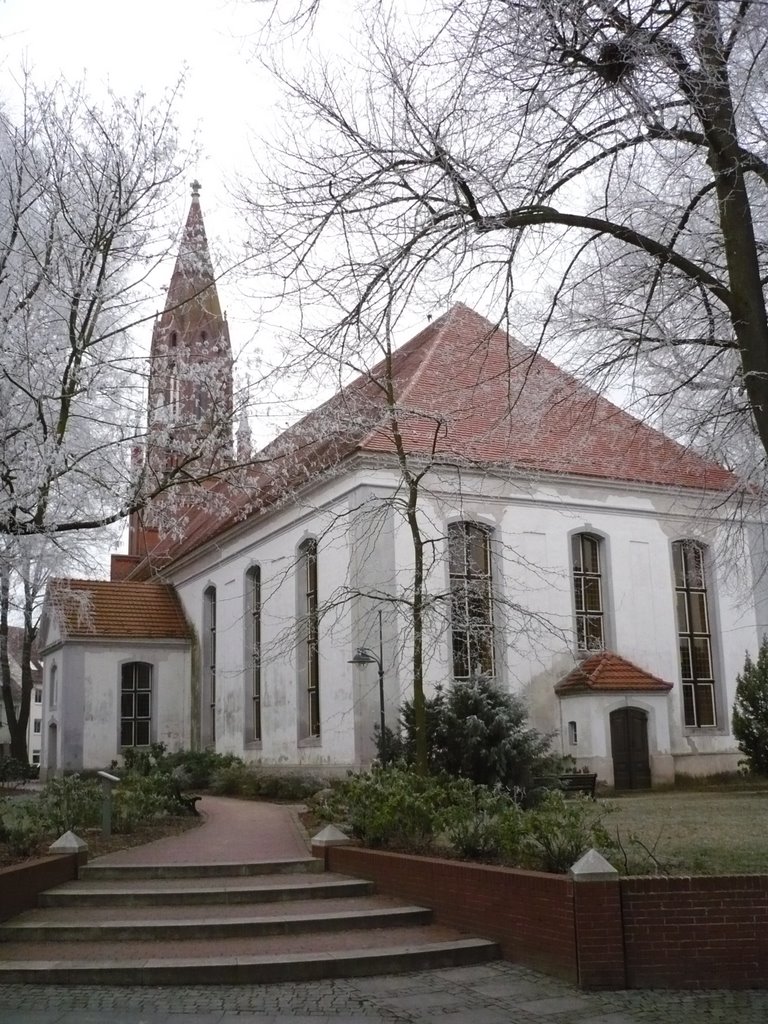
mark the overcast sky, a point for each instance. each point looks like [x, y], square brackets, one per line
[145, 46]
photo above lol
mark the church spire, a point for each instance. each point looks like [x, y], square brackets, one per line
[193, 276]
[190, 388]
[190, 378]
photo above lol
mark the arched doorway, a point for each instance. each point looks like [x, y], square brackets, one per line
[629, 748]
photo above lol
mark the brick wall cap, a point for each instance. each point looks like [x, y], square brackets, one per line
[331, 836]
[68, 843]
[593, 867]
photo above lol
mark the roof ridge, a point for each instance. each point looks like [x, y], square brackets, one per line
[76, 580]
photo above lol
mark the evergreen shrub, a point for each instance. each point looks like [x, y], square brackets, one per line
[253, 782]
[750, 711]
[475, 730]
[389, 807]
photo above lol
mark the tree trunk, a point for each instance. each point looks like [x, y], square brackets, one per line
[412, 481]
[17, 721]
[714, 104]
[419, 709]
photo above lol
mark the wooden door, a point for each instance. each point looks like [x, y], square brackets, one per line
[629, 748]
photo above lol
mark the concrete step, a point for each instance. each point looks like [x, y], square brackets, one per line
[127, 872]
[253, 961]
[88, 916]
[226, 891]
[222, 923]
[43, 925]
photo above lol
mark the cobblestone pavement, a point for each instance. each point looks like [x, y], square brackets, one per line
[498, 993]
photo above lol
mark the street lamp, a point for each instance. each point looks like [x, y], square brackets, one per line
[365, 656]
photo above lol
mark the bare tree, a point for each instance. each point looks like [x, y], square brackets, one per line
[621, 145]
[26, 566]
[83, 224]
[85, 190]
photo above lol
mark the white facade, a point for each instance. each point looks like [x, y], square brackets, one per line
[81, 709]
[547, 566]
[365, 564]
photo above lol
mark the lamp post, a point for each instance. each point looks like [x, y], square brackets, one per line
[365, 656]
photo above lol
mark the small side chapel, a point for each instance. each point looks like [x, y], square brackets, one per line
[568, 550]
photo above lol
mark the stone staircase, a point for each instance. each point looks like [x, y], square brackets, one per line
[223, 924]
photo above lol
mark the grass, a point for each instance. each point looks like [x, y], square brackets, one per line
[690, 833]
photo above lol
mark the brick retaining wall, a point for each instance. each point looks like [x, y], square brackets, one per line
[21, 884]
[699, 932]
[529, 913]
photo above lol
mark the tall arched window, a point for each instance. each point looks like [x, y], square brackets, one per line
[253, 652]
[209, 667]
[136, 704]
[308, 647]
[587, 571]
[694, 634]
[471, 585]
[173, 393]
[53, 686]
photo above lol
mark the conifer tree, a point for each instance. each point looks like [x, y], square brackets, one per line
[750, 710]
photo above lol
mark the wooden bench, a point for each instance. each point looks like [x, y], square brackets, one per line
[187, 800]
[571, 782]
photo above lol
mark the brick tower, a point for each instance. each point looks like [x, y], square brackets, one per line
[189, 430]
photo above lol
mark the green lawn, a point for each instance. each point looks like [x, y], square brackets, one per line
[716, 832]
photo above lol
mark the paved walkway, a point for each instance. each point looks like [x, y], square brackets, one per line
[233, 832]
[498, 993]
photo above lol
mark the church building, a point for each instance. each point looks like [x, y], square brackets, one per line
[463, 496]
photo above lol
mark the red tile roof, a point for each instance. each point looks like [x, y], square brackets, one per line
[605, 672]
[474, 393]
[464, 391]
[103, 609]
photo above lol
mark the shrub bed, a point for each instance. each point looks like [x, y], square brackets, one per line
[394, 808]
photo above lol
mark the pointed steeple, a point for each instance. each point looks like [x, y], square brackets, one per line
[190, 387]
[193, 276]
[190, 378]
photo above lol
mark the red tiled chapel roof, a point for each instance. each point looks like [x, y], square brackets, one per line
[605, 672]
[117, 610]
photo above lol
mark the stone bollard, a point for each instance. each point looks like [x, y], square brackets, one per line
[324, 840]
[72, 844]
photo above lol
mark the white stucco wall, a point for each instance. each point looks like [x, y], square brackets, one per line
[274, 547]
[365, 559]
[85, 711]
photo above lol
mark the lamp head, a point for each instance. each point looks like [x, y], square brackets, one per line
[363, 656]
